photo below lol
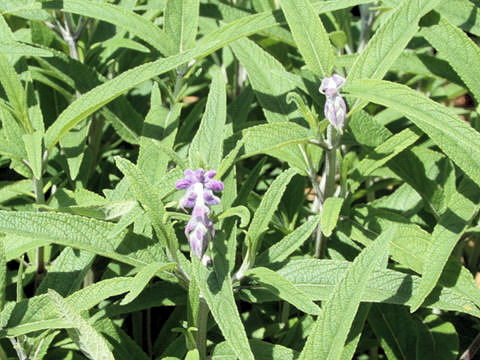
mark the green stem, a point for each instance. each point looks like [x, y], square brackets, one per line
[328, 186]
[40, 252]
[202, 321]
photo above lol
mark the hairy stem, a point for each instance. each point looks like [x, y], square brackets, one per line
[202, 320]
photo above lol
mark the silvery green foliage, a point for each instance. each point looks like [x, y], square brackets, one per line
[341, 136]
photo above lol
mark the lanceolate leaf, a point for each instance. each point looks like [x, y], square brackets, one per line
[39, 313]
[310, 36]
[3, 273]
[142, 278]
[101, 95]
[445, 236]
[207, 145]
[390, 40]
[330, 212]
[284, 289]
[217, 291]
[454, 136]
[150, 200]
[267, 207]
[68, 230]
[90, 342]
[395, 330]
[181, 22]
[119, 16]
[381, 155]
[282, 249]
[458, 49]
[334, 322]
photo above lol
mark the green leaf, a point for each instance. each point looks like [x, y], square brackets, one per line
[284, 289]
[330, 212]
[410, 166]
[390, 40]
[454, 136]
[445, 336]
[181, 22]
[102, 94]
[122, 346]
[39, 313]
[282, 249]
[34, 148]
[333, 324]
[264, 213]
[395, 329]
[309, 35]
[462, 13]
[381, 155]
[279, 140]
[241, 211]
[445, 236]
[153, 156]
[118, 16]
[268, 80]
[68, 230]
[261, 350]
[3, 274]
[355, 331]
[14, 90]
[458, 49]
[90, 342]
[410, 244]
[366, 130]
[67, 272]
[107, 211]
[142, 279]
[217, 290]
[150, 200]
[318, 279]
[73, 145]
[207, 145]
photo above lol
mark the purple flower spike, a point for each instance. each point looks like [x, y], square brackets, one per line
[199, 195]
[335, 107]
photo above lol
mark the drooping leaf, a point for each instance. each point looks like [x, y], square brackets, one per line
[333, 324]
[454, 137]
[284, 289]
[90, 342]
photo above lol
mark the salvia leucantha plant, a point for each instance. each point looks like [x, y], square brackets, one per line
[239, 179]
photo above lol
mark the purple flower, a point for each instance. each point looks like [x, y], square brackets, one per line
[335, 107]
[199, 195]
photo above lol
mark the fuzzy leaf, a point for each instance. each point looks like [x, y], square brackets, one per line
[330, 212]
[454, 136]
[333, 324]
[310, 36]
[217, 291]
[207, 146]
[284, 289]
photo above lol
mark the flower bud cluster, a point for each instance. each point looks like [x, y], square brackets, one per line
[199, 195]
[335, 107]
